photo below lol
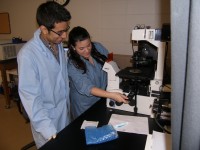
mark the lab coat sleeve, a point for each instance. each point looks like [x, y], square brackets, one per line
[30, 94]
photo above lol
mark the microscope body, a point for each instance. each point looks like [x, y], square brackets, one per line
[143, 102]
[153, 36]
[113, 81]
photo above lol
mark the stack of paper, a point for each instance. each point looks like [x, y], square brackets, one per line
[131, 124]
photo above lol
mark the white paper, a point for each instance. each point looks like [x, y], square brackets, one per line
[89, 123]
[158, 141]
[161, 141]
[131, 124]
[149, 142]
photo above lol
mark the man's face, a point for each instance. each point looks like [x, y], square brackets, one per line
[59, 33]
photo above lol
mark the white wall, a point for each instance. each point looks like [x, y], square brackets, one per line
[22, 17]
[111, 21]
[108, 21]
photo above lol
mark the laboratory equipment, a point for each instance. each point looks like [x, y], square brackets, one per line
[142, 82]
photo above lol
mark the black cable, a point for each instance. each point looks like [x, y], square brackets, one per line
[164, 130]
[156, 115]
[166, 75]
[167, 86]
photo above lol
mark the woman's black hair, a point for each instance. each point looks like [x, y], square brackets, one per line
[79, 34]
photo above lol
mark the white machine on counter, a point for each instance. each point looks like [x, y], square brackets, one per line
[144, 103]
[9, 50]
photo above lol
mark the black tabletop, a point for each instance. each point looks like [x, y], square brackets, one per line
[73, 138]
[7, 60]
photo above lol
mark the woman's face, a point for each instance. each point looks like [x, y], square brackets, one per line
[83, 48]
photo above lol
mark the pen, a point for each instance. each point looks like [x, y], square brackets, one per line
[121, 125]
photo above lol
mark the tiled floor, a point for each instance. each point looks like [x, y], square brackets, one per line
[14, 131]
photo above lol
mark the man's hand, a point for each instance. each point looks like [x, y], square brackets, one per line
[52, 137]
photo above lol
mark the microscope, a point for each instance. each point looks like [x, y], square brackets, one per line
[153, 38]
[142, 82]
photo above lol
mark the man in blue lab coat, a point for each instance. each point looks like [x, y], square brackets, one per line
[43, 77]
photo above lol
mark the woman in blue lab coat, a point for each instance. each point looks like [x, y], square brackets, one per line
[87, 79]
[43, 76]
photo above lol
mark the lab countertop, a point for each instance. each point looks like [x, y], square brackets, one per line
[72, 137]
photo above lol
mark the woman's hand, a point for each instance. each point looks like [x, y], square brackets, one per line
[118, 97]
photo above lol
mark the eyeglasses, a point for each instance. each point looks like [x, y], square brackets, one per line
[60, 33]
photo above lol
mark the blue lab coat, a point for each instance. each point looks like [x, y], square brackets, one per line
[44, 88]
[81, 84]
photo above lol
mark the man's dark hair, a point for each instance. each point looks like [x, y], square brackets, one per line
[50, 13]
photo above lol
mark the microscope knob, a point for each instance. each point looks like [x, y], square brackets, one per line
[111, 103]
[131, 99]
[132, 102]
[118, 103]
